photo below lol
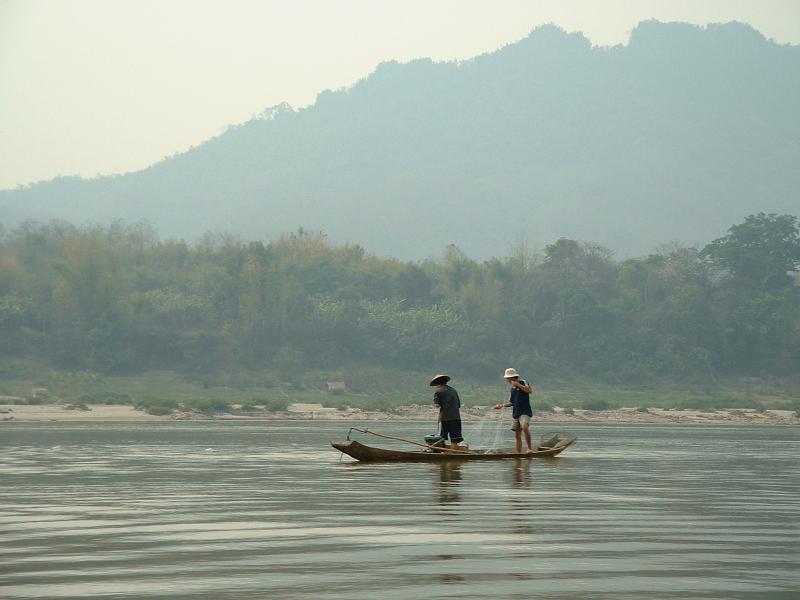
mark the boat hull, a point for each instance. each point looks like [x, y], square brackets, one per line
[365, 453]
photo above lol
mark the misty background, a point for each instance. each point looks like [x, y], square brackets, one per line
[624, 213]
[93, 87]
[232, 232]
[672, 137]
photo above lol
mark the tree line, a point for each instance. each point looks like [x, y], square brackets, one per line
[118, 299]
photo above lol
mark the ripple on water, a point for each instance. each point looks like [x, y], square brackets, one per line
[224, 510]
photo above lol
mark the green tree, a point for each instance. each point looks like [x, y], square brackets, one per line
[761, 252]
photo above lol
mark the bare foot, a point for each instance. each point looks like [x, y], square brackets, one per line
[530, 450]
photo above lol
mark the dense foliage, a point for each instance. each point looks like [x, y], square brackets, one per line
[118, 299]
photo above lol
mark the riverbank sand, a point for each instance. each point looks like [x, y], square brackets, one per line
[126, 413]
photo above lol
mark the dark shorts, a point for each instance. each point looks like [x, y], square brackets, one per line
[453, 429]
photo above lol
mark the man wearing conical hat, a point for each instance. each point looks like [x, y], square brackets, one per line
[446, 398]
[521, 402]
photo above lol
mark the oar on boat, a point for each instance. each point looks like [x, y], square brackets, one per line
[399, 439]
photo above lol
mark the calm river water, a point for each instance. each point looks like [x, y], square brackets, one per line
[233, 510]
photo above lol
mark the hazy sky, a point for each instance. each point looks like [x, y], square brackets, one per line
[104, 86]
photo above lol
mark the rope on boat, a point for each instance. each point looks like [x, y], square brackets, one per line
[392, 437]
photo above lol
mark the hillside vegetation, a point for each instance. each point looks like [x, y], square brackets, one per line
[117, 303]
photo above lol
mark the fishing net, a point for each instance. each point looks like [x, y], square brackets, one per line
[488, 432]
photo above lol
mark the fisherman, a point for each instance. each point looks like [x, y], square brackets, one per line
[448, 402]
[521, 402]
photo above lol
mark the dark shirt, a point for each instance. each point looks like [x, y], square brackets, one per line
[448, 402]
[520, 401]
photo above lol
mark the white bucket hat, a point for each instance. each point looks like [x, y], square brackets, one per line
[510, 372]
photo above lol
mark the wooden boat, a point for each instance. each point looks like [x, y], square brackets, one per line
[364, 453]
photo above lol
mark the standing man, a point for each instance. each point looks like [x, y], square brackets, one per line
[446, 398]
[522, 413]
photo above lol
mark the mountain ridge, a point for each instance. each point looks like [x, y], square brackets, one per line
[686, 126]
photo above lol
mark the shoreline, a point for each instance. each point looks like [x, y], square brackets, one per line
[21, 413]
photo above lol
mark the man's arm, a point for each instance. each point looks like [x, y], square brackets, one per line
[523, 386]
[501, 405]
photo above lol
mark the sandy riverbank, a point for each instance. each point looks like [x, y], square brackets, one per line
[126, 413]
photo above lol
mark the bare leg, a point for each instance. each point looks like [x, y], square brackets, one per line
[527, 439]
[519, 441]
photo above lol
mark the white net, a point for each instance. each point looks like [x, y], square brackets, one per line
[488, 432]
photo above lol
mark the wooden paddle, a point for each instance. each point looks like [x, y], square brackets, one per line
[399, 439]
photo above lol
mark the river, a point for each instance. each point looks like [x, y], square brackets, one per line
[218, 510]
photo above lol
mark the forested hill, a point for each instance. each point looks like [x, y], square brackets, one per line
[671, 137]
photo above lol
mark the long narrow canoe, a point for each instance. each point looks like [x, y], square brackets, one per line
[365, 453]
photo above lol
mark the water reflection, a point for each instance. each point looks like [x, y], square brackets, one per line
[522, 506]
[448, 577]
[146, 512]
[449, 482]
[521, 472]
